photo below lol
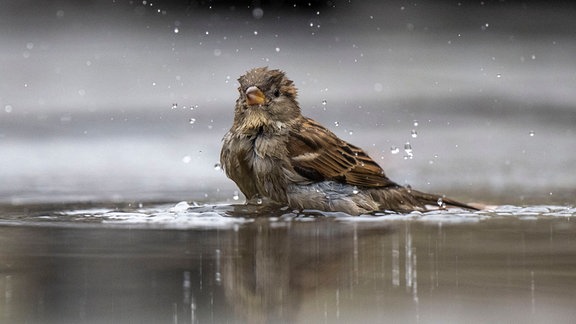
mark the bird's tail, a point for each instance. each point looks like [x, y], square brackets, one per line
[406, 200]
[439, 200]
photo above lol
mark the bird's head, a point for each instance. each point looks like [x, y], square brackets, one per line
[267, 100]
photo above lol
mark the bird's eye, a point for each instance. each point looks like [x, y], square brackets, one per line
[277, 93]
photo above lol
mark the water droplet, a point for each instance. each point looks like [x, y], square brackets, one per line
[414, 133]
[355, 190]
[394, 150]
[415, 123]
[186, 159]
[324, 102]
[236, 195]
[259, 201]
[8, 108]
[174, 105]
[255, 32]
[218, 166]
[176, 30]
[350, 132]
[498, 75]
[531, 133]
[533, 56]
[441, 203]
[336, 123]
[65, 119]
[257, 13]
[192, 121]
[408, 150]
[277, 49]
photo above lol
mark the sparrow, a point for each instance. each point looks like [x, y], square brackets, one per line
[276, 155]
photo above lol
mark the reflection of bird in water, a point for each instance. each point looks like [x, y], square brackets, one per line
[272, 152]
[268, 273]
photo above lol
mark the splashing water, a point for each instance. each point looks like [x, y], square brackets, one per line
[408, 150]
[192, 215]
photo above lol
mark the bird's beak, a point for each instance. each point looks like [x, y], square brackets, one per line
[254, 96]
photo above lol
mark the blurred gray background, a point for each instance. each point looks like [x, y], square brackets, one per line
[109, 100]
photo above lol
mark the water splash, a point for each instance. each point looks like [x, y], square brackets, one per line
[408, 150]
[185, 215]
[441, 203]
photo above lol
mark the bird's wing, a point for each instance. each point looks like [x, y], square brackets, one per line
[317, 154]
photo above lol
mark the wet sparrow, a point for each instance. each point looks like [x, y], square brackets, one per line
[274, 153]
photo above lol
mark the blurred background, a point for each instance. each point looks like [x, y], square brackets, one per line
[118, 100]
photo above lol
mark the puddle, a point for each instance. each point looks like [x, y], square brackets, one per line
[235, 264]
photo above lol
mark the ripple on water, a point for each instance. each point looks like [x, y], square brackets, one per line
[185, 216]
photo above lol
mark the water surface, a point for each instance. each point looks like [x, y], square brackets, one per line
[217, 264]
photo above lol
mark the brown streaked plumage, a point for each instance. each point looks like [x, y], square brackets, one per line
[274, 153]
